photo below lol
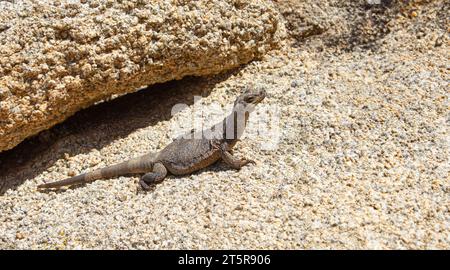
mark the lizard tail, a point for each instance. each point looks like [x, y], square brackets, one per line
[69, 181]
[136, 165]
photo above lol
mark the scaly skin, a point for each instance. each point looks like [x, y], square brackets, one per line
[185, 155]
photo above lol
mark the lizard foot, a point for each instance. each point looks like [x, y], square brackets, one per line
[158, 173]
[249, 161]
[144, 185]
[244, 162]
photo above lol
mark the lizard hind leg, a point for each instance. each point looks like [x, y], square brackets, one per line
[157, 174]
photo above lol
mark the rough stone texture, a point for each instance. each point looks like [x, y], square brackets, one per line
[345, 25]
[362, 162]
[57, 57]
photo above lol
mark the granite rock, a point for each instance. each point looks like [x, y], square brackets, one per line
[57, 57]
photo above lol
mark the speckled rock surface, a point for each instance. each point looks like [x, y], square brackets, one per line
[362, 160]
[57, 57]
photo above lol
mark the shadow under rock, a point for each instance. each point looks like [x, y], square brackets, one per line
[99, 125]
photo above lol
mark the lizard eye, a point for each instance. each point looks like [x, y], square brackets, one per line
[250, 99]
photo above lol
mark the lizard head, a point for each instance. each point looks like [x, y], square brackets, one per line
[250, 98]
[243, 106]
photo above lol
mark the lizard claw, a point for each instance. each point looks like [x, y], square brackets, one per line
[247, 161]
[250, 161]
[144, 185]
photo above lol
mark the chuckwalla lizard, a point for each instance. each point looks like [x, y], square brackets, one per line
[186, 154]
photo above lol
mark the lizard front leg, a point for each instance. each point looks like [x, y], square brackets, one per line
[228, 158]
[157, 174]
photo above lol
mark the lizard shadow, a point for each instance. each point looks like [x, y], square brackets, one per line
[100, 125]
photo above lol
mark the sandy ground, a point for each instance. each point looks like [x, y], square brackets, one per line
[362, 159]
